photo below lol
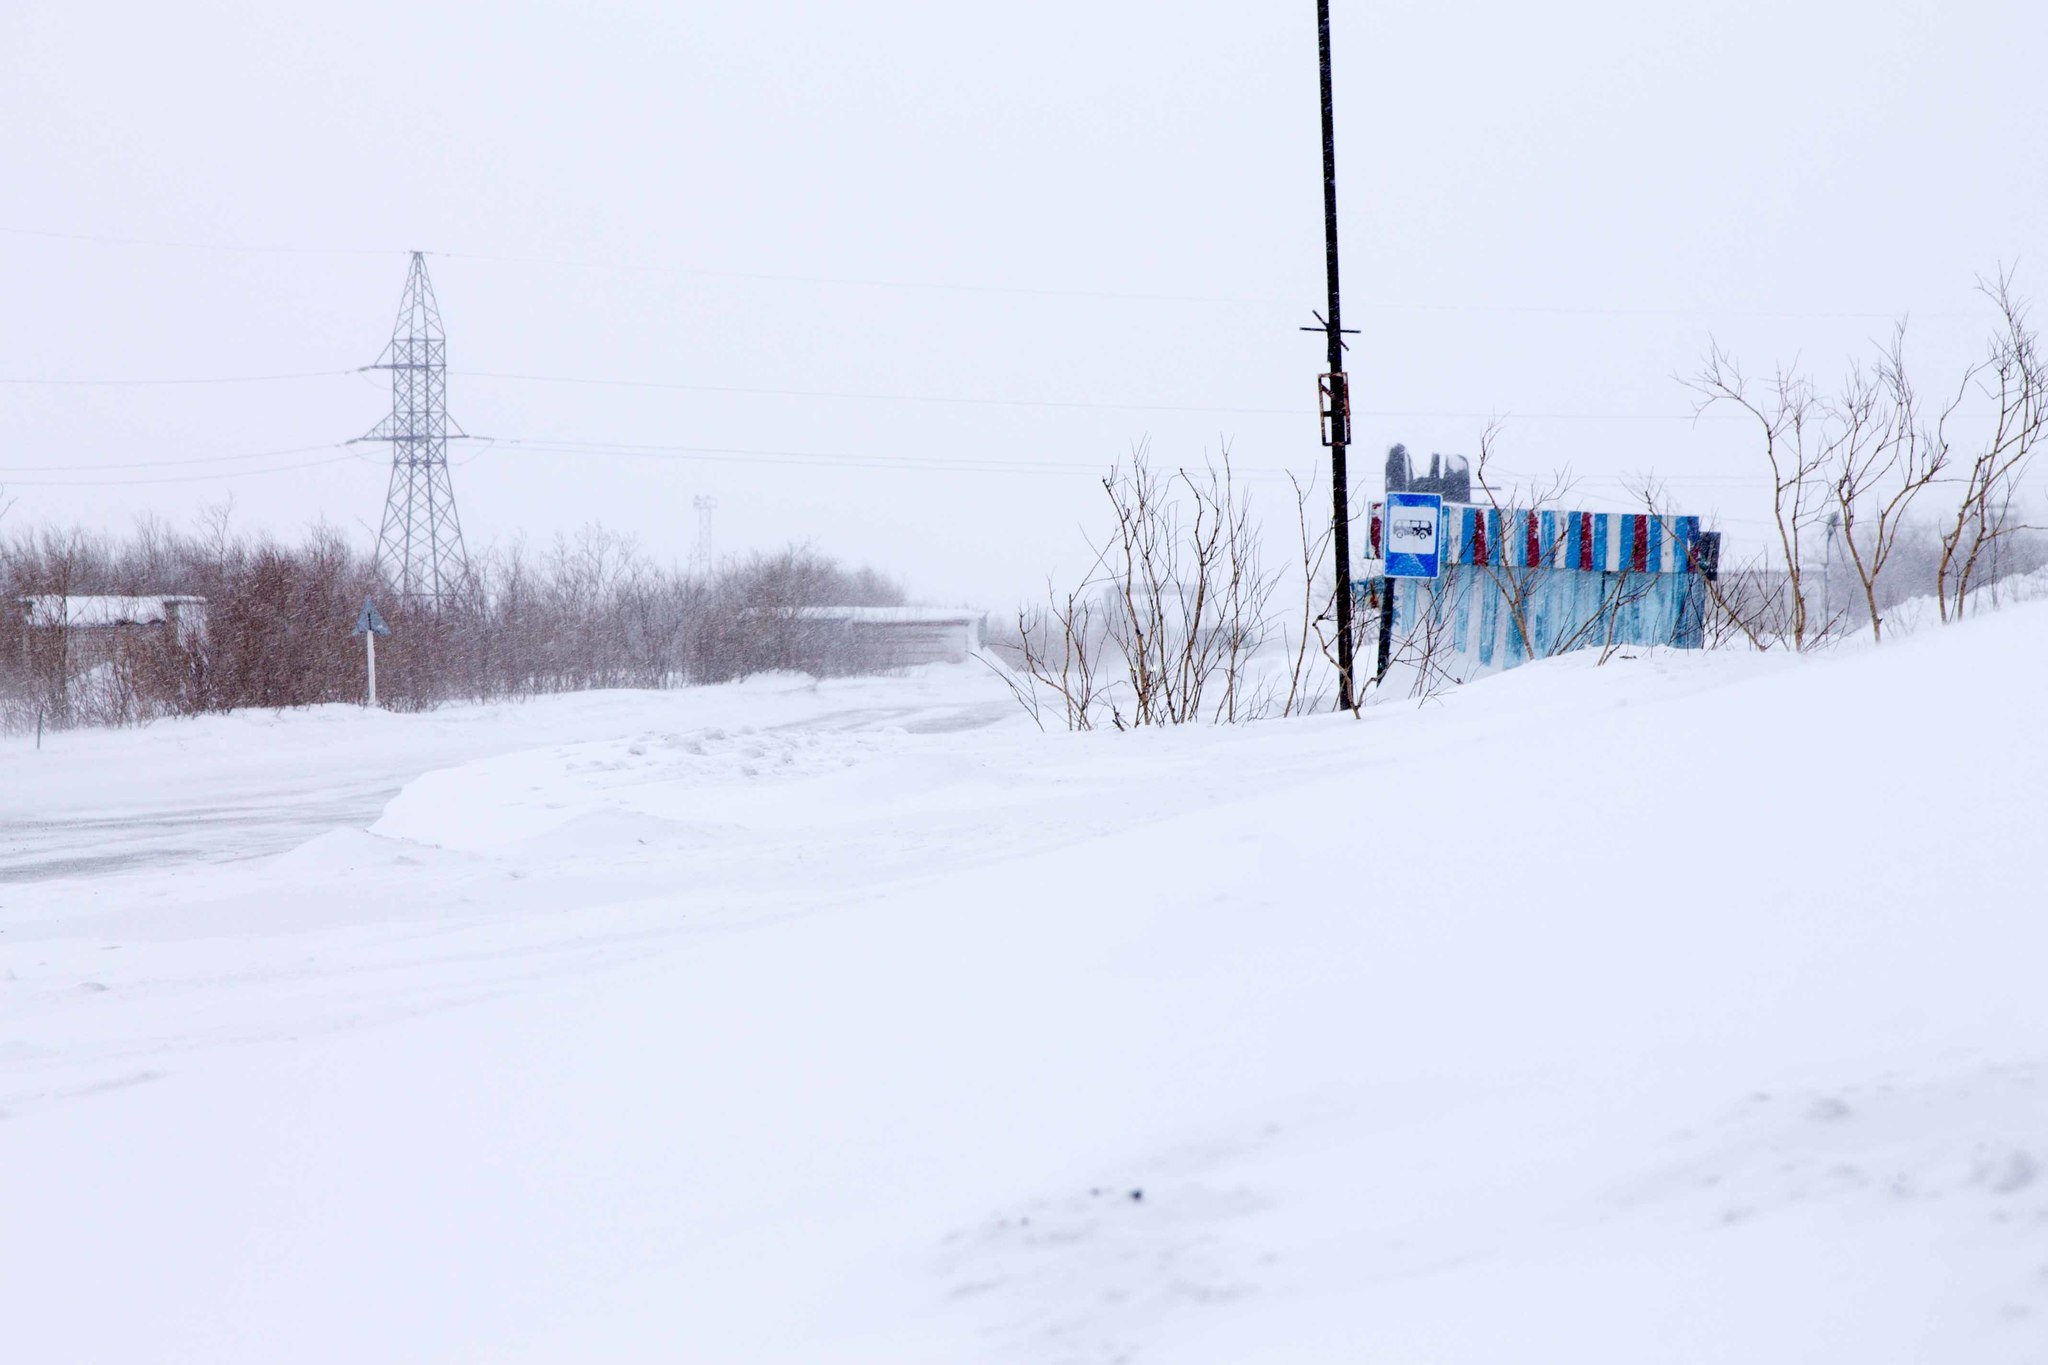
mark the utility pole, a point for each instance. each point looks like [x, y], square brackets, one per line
[1336, 388]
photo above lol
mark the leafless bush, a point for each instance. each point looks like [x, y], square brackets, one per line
[2014, 375]
[1424, 648]
[1320, 583]
[1882, 455]
[1163, 627]
[590, 612]
[1060, 646]
[1306, 685]
[1787, 413]
[1852, 467]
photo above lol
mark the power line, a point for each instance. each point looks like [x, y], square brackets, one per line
[702, 272]
[1042, 291]
[961, 399]
[552, 445]
[1148, 296]
[1143, 296]
[906, 464]
[1090, 404]
[909, 464]
[231, 248]
[171, 464]
[175, 478]
[860, 282]
[757, 455]
[857, 395]
[30, 380]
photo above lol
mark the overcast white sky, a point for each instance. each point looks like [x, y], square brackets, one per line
[1100, 221]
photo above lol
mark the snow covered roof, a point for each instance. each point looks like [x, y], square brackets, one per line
[895, 616]
[53, 609]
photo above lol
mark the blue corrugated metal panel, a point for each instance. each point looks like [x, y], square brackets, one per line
[1691, 630]
[1688, 535]
[1470, 613]
[1543, 607]
[1489, 624]
[1576, 576]
[1462, 637]
[1603, 542]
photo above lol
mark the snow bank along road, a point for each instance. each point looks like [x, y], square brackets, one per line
[1686, 1009]
[220, 789]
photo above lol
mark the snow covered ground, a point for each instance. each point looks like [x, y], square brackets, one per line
[1689, 1009]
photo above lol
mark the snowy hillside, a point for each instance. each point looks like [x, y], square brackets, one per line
[1689, 1009]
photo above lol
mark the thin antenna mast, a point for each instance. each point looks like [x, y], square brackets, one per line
[702, 561]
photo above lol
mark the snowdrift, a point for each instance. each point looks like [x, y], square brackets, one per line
[1685, 1009]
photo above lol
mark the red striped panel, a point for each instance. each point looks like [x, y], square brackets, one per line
[1532, 545]
[1639, 543]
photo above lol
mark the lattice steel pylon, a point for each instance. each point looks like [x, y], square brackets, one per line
[419, 551]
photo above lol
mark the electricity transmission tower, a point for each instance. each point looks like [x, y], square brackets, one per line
[419, 551]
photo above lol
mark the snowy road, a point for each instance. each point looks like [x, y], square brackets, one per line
[222, 790]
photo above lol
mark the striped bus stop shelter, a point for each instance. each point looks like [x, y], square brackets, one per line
[1521, 585]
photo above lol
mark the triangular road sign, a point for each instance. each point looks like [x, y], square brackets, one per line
[370, 622]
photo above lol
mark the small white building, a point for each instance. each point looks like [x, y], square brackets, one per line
[901, 637]
[90, 630]
[183, 616]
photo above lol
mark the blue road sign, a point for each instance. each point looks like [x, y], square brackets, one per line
[1414, 534]
[371, 622]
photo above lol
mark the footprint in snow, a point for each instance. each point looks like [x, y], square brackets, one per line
[2007, 1172]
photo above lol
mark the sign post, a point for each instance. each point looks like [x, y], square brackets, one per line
[1412, 540]
[370, 625]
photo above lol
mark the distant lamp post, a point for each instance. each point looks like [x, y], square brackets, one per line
[1827, 573]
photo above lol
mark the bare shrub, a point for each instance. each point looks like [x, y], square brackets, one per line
[1882, 455]
[591, 612]
[1306, 686]
[1163, 627]
[1787, 414]
[2014, 376]
[1855, 466]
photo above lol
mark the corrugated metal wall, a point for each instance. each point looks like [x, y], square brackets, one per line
[1520, 585]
